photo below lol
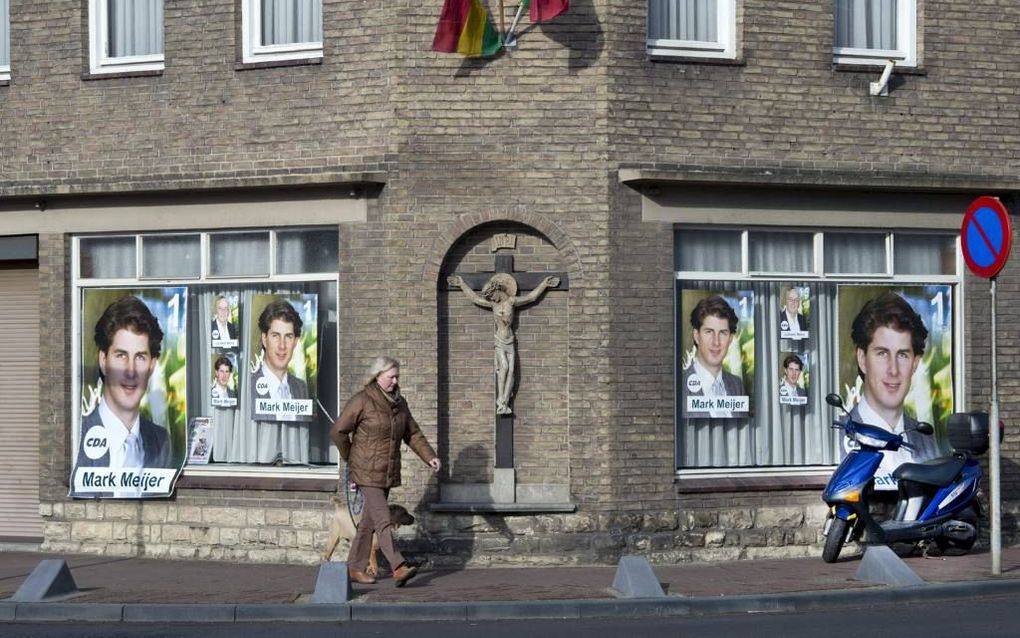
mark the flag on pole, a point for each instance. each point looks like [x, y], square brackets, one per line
[466, 28]
[546, 10]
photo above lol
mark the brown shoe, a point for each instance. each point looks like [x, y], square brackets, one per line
[360, 576]
[403, 573]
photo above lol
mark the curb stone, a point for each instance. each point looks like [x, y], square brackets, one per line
[501, 610]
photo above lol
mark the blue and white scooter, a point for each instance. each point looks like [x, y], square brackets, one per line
[936, 501]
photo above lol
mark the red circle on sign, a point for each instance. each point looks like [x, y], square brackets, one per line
[992, 203]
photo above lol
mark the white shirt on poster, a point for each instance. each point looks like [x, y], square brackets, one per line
[890, 459]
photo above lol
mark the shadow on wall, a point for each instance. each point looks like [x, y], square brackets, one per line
[578, 30]
[450, 541]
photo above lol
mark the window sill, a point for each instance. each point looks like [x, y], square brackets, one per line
[271, 64]
[257, 477]
[695, 59]
[873, 68]
[5, 82]
[751, 480]
[117, 75]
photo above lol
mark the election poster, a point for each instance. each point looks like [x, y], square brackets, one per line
[717, 353]
[904, 361]
[283, 364]
[131, 437]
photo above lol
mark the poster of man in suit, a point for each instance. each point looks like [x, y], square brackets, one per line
[896, 365]
[283, 366]
[793, 379]
[793, 321]
[717, 353]
[130, 437]
[223, 330]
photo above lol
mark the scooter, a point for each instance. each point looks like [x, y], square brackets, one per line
[936, 500]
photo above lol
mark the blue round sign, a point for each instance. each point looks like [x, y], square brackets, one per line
[986, 236]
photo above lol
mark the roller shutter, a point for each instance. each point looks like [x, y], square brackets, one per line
[19, 404]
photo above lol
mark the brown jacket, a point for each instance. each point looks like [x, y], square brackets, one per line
[377, 428]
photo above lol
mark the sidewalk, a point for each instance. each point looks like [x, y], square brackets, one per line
[112, 581]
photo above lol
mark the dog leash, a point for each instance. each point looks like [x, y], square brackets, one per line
[353, 494]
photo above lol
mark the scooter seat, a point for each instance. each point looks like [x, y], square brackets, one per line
[939, 472]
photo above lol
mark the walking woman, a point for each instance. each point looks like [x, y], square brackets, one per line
[368, 435]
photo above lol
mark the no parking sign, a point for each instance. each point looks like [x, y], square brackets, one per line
[986, 236]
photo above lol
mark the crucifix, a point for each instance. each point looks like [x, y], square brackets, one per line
[499, 292]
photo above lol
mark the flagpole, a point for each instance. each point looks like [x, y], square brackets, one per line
[511, 40]
[502, 21]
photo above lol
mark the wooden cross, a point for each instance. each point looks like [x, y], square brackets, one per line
[526, 281]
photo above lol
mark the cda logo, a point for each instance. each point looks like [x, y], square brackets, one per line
[693, 383]
[262, 386]
[95, 442]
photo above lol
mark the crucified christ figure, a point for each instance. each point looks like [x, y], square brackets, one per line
[500, 294]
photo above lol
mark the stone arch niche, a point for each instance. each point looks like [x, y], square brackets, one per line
[504, 462]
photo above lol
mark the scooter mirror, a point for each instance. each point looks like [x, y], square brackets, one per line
[833, 399]
[925, 428]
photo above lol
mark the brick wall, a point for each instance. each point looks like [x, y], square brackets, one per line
[533, 138]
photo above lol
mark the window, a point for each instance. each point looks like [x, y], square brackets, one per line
[827, 276]
[874, 31]
[692, 28]
[125, 35]
[197, 273]
[281, 30]
[5, 40]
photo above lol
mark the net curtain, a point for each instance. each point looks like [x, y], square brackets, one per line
[291, 21]
[135, 27]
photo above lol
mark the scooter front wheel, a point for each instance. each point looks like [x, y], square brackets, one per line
[839, 531]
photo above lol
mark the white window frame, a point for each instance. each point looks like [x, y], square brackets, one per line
[5, 24]
[956, 279]
[906, 38]
[79, 283]
[99, 36]
[252, 51]
[724, 48]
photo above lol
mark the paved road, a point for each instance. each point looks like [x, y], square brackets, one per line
[992, 617]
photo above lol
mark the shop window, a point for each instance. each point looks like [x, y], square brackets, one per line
[125, 35]
[277, 30]
[874, 31]
[692, 28]
[213, 288]
[792, 344]
[5, 40]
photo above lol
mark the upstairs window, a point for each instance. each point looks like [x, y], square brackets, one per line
[5, 40]
[277, 30]
[125, 35]
[874, 31]
[692, 28]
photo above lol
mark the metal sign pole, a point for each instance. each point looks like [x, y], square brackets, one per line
[993, 463]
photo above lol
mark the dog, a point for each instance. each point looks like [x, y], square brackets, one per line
[341, 525]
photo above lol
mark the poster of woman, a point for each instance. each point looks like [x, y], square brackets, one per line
[717, 353]
[283, 363]
[130, 440]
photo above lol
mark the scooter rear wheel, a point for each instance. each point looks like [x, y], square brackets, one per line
[839, 531]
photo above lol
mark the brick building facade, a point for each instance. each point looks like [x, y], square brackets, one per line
[596, 153]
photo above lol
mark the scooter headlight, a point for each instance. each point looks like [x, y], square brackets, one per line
[870, 441]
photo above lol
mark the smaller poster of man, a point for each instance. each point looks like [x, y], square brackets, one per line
[793, 317]
[223, 394]
[285, 326]
[223, 331]
[201, 441]
[717, 360]
[793, 386]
